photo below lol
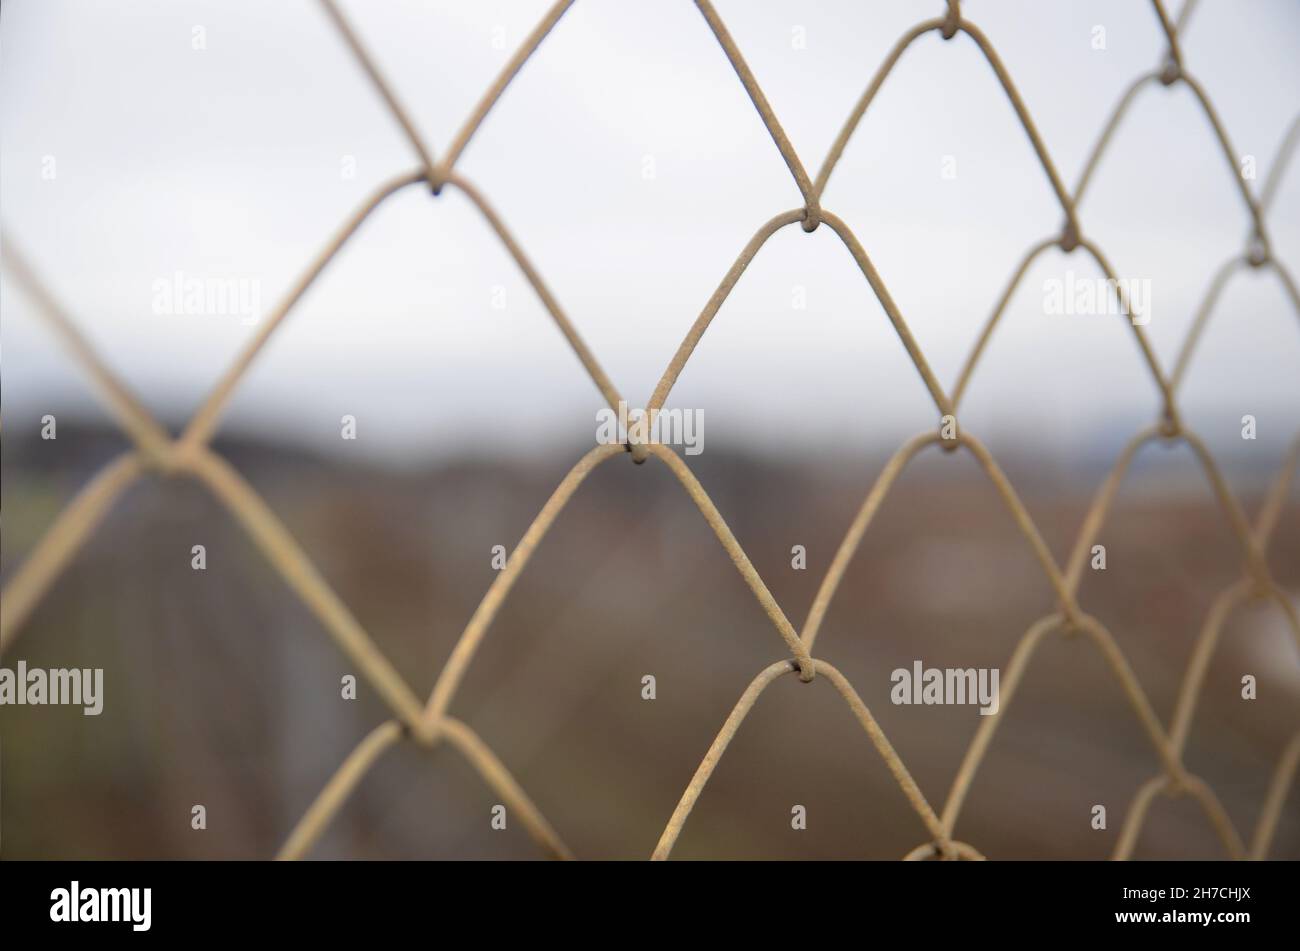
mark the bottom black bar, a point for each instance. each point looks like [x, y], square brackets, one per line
[333, 901]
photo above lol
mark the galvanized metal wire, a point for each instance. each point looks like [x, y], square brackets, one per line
[430, 723]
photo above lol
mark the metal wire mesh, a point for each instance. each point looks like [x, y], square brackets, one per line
[430, 723]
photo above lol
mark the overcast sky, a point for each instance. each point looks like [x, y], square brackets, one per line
[230, 162]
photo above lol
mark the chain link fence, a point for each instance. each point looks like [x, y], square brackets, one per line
[430, 723]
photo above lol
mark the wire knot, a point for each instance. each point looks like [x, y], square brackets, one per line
[1176, 785]
[1257, 251]
[1170, 426]
[951, 21]
[812, 216]
[175, 457]
[427, 733]
[943, 850]
[1261, 585]
[806, 671]
[638, 438]
[949, 434]
[437, 177]
[1171, 72]
[164, 459]
[1070, 236]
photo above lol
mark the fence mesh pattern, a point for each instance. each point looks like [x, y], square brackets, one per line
[430, 723]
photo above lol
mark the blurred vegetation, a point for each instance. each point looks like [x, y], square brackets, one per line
[222, 689]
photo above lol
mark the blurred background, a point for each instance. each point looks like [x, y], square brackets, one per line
[227, 142]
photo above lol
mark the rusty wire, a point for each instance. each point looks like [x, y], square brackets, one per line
[430, 723]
